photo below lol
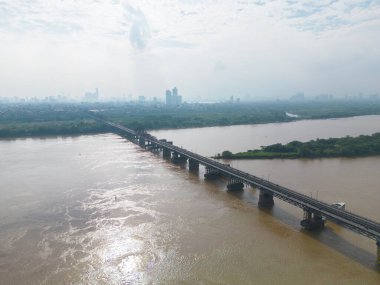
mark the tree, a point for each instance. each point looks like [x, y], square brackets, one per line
[226, 153]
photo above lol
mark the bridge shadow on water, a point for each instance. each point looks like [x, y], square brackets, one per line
[327, 236]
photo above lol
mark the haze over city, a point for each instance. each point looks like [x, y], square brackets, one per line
[210, 49]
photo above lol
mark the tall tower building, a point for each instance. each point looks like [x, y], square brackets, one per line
[179, 100]
[172, 97]
[175, 92]
[169, 98]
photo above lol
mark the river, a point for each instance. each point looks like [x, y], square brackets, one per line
[100, 210]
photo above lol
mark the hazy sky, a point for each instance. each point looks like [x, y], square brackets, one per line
[209, 49]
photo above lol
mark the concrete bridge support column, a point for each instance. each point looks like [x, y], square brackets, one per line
[155, 147]
[378, 252]
[177, 158]
[235, 184]
[166, 153]
[211, 173]
[265, 198]
[175, 155]
[193, 165]
[141, 142]
[151, 146]
[312, 221]
[307, 215]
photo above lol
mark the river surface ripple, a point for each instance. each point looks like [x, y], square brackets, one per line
[100, 210]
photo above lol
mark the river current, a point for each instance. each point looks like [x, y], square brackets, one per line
[100, 210]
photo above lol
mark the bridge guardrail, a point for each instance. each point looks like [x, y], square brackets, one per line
[360, 224]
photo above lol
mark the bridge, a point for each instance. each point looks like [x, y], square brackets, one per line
[315, 211]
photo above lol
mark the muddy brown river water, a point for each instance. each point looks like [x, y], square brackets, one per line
[100, 210]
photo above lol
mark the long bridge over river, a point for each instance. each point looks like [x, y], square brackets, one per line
[315, 211]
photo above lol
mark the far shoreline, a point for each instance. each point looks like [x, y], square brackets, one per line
[257, 124]
[348, 146]
[104, 131]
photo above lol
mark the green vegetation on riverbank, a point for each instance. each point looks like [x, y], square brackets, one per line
[52, 128]
[26, 119]
[333, 147]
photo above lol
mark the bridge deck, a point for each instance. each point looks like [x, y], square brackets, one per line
[347, 219]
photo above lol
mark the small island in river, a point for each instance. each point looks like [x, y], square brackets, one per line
[333, 147]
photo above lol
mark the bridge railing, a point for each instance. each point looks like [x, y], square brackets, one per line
[360, 224]
[353, 220]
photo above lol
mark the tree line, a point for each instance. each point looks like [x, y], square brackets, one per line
[72, 118]
[364, 145]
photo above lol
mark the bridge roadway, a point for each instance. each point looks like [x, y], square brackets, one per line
[345, 218]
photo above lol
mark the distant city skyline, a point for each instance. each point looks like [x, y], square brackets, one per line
[212, 49]
[92, 96]
[173, 98]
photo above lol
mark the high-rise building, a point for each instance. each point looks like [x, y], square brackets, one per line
[168, 97]
[89, 96]
[175, 92]
[172, 97]
[179, 100]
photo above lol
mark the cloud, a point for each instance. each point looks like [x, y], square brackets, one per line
[316, 46]
[139, 33]
[219, 66]
[39, 17]
[325, 15]
[174, 43]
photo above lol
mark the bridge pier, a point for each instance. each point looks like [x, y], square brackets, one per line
[153, 147]
[142, 142]
[312, 221]
[130, 137]
[378, 252]
[193, 165]
[211, 173]
[177, 158]
[156, 148]
[235, 184]
[166, 153]
[265, 198]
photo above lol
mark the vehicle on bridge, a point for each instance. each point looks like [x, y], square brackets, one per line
[339, 205]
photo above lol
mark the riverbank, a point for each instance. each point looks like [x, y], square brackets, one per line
[361, 146]
[23, 120]
[52, 128]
